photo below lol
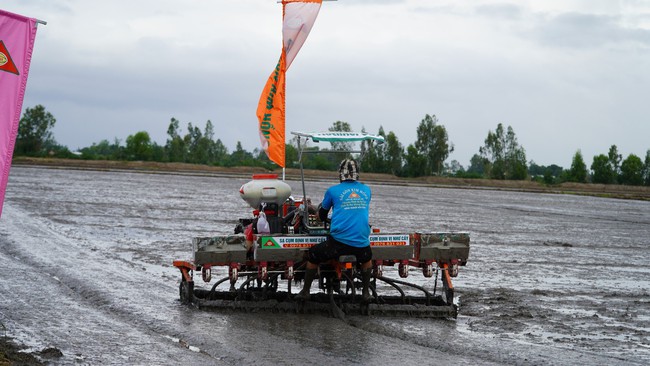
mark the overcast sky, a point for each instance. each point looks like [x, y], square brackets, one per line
[565, 74]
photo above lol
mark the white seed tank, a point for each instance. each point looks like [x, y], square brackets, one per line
[265, 188]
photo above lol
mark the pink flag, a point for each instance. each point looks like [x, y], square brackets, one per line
[17, 34]
[299, 17]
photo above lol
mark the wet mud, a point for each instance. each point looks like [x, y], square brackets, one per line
[86, 267]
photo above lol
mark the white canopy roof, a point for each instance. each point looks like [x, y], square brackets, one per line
[336, 136]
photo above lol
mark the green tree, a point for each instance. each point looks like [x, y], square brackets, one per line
[505, 158]
[240, 157]
[175, 147]
[291, 156]
[205, 145]
[477, 165]
[540, 170]
[220, 152]
[455, 168]
[535, 170]
[516, 167]
[382, 158]
[204, 152]
[368, 155]
[192, 141]
[551, 174]
[556, 170]
[103, 150]
[262, 160]
[381, 164]
[120, 151]
[601, 170]
[646, 169]
[35, 131]
[311, 159]
[196, 147]
[615, 161]
[416, 163]
[319, 161]
[548, 177]
[157, 152]
[394, 154]
[374, 157]
[433, 143]
[216, 150]
[138, 146]
[578, 171]
[494, 153]
[632, 171]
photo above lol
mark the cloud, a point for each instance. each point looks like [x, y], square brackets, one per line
[581, 30]
[370, 2]
[503, 11]
[561, 71]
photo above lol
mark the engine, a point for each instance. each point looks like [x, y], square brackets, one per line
[265, 193]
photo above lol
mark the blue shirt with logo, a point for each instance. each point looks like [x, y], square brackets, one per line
[350, 203]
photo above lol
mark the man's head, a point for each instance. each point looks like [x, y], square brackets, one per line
[348, 170]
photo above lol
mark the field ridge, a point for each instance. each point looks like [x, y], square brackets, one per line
[597, 190]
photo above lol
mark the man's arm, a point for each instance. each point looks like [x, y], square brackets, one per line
[322, 214]
[325, 205]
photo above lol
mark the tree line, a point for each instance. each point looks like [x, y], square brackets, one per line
[500, 157]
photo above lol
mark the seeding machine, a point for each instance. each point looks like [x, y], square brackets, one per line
[259, 269]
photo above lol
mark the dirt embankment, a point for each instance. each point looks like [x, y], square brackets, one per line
[10, 354]
[599, 190]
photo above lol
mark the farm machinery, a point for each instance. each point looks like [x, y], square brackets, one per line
[266, 256]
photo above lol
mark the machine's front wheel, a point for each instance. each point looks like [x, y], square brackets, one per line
[186, 290]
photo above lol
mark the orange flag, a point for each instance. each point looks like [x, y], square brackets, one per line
[298, 17]
[270, 114]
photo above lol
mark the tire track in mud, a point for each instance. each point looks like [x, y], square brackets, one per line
[115, 313]
[108, 296]
[560, 319]
[450, 337]
[542, 211]
[79, 291]
[98, 306]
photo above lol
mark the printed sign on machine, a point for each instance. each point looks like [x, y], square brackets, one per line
[293, 242]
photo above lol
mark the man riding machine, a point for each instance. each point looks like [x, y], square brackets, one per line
[349, 229]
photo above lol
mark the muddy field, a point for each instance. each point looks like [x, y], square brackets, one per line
[85, 263]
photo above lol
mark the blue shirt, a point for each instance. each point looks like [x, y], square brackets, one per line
[350, 202]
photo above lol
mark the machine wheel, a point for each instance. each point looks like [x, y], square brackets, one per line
[206, 274]
[186, 290]
[403, 270]
[263, 273]
[427, 270]
[234, 275]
